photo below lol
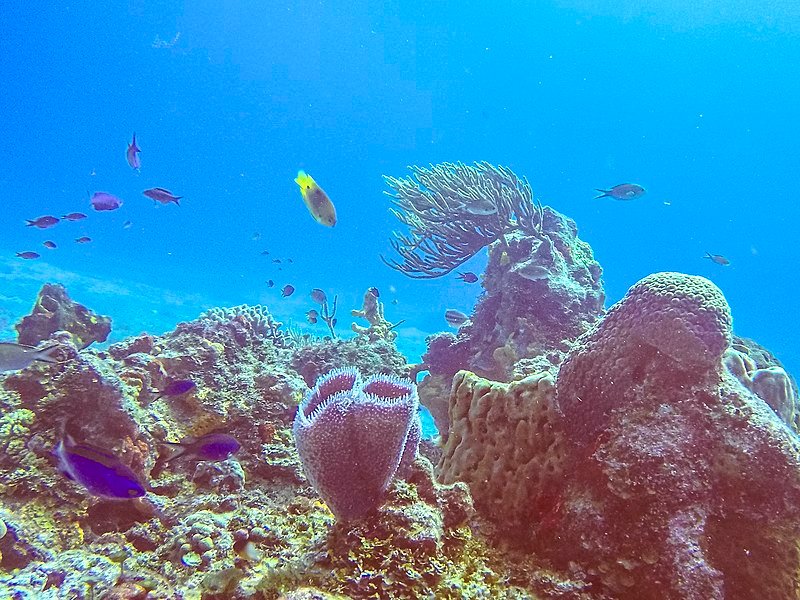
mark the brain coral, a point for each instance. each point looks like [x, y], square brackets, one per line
[680, 322]
[502, 444]
[679, 482]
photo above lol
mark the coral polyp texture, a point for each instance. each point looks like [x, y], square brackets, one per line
[354, 435]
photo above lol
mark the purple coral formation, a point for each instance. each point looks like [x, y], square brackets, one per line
[353, 436]
[682, 483]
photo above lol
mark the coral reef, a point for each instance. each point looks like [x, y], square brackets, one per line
[353, 436]
[543, 291]
[372, 312]
[55, 311]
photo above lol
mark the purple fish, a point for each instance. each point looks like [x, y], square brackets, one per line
[177, 387]
[76, 216]
[105, 201]
[49, 244]
[83, 240]
[28, 255]
[132, 154]
[162, 195]
[44, 222]
[623, 191]
[212, 446]
[287, 290]
[468, 277]
[98, 471]
[318, 296]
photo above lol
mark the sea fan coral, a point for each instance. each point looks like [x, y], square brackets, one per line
[353, 436]
[452, 210]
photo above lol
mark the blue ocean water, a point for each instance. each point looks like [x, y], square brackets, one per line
[229, 99]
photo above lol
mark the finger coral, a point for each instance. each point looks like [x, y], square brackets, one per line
[353, 436]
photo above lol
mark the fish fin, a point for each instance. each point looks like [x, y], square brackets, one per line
[44, 354]
[603, 194]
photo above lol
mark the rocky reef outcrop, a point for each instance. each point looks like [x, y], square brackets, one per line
[55, 311]
[657, 469]
[542, 291]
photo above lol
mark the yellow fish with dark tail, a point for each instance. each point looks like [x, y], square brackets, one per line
[317, 201]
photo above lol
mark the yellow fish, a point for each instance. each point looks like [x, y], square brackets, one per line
[317, 201]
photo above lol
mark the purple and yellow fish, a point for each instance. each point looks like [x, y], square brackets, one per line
[316, 200]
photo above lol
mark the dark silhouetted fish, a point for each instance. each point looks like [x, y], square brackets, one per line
[623, 191]
[83, 240]
[270, 283]
[312, 316]
[98, 471]
[212, 446]
[468, 277]
[28, 255]
[718, 258]
[162, 195]
[287, 290]
[49, 244]
[14, 357]
[318, 296]
[176, 387]
[102, 201]
[456, 318]
[75, 216]
[132, 154]
[44, 222]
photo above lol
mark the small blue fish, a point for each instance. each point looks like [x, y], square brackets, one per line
[102, 201]
[176, 387]
[98, 471]
[468, 277]
[623, 191]
[132, 154]
[162, 195]
[212, 446]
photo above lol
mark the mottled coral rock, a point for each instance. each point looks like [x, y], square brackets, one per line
[56, 311]
[680, 482]
[502, 444]
[542, 292]
[677, 323]
[378, 327]
[380, 356]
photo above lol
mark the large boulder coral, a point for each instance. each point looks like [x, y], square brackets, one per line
[680, 481]
[55, 311]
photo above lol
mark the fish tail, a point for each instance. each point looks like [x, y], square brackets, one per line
[603, 193]
[176, 200]
[708, 255]
[30, 223]
[45, 356]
